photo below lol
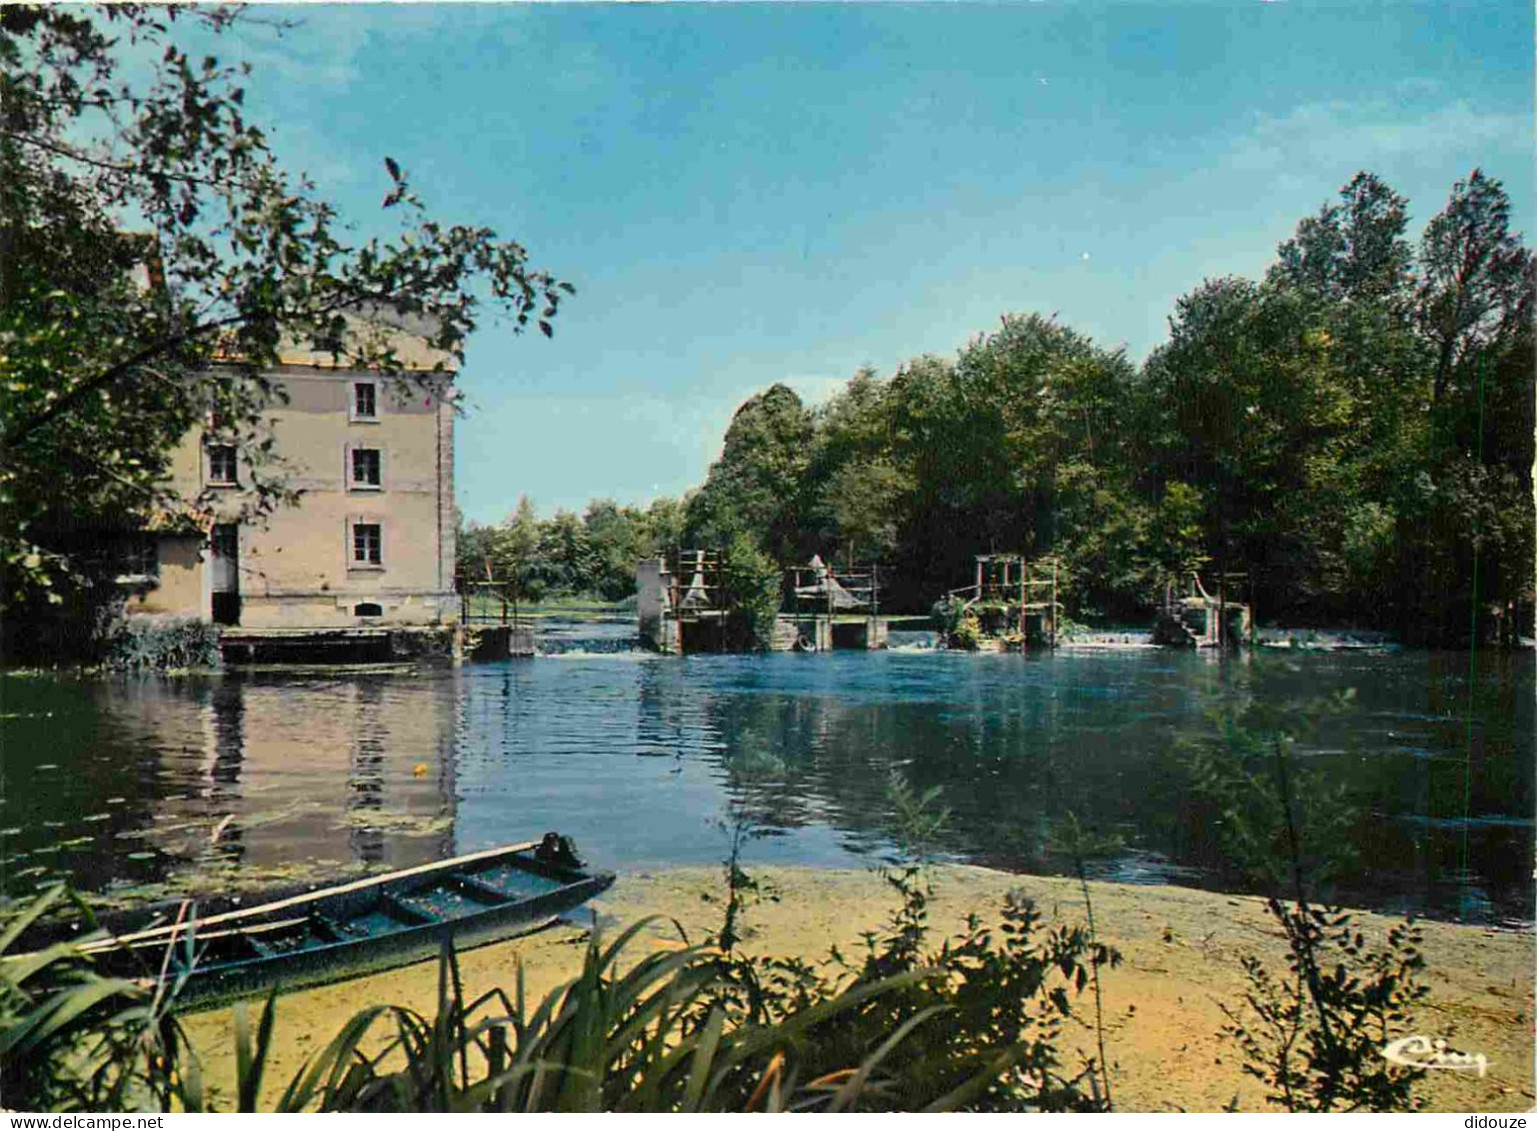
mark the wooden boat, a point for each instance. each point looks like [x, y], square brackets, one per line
[368, 925]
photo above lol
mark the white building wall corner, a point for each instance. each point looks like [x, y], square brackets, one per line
[448, 604]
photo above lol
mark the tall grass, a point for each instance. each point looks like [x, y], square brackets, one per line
[640, 1039]
[72, 1039]
[663, 1033]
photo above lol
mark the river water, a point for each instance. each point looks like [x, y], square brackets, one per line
[135, 787]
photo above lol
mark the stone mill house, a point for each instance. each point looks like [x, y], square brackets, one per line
[369, 550]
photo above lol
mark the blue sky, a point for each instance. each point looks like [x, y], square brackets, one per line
[751, 193]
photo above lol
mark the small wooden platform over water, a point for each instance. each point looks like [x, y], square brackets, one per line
[360, 644]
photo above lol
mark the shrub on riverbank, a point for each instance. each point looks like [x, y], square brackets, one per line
[158, 644]
[1313, 1034]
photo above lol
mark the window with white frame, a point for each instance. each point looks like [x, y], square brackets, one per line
[365, 400]
[365, 468]
[223, 465]
[367, 545]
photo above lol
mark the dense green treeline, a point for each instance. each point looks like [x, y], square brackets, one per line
[587, 555]
[1354, 431]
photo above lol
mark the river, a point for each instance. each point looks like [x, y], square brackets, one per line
[135, 787]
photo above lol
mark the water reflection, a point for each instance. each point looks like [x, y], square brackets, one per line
[640, 758]
[257, 779]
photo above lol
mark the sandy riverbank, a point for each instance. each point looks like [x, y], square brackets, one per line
[1181, 950]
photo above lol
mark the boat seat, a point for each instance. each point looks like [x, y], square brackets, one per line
[480, 889]
[403, 911]
[324, 928]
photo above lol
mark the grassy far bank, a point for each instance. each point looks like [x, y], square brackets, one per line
[562, 608]
[1162, 1004]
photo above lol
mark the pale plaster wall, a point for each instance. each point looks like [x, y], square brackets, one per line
[180, 587]
[652, 605]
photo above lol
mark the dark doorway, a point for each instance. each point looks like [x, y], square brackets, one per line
[224, 560]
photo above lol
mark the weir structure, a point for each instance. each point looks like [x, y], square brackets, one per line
[493, 630]
[1192, 618]
[682, 602]
[1013, 600]
[830, 609]
[684, 605]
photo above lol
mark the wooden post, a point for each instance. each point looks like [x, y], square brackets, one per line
[1053, 602]
[1222, 609]
[1024, 604]
[827, 582]
[1249, 585]
[1024, 599]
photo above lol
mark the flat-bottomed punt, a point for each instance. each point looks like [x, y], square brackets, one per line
[360, 927]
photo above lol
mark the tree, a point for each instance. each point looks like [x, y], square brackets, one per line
[1258, 416]
[1473, 491]
[1039, 411]
[751, 583]
[563, 559]
[146, 229]
[755, 485]
[619, 537]
[1358, 424]
[864, 499]
[855, 422]
[1355, 249]
[515, 556]
[856, 493]
[474, 546]
[665, 520]
[1473, 276]
[930, 446]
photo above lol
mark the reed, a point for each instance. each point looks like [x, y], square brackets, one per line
[659, 1034]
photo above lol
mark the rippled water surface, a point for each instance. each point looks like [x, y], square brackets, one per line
[126, 785]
